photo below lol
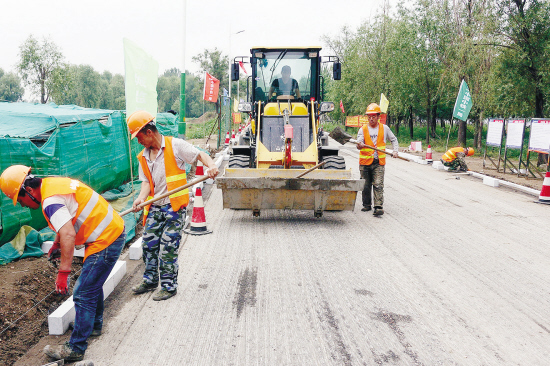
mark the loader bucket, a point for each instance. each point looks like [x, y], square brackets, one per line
[320, 190]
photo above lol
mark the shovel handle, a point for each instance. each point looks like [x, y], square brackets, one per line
[311, 169]
[141, 205]
[380, 150]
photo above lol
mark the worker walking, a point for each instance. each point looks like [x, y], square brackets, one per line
[162, 169]
[454, 158]
[372, 162]
[81, 218]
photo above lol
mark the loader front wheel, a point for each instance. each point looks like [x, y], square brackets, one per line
[239, 161]
[334, 162]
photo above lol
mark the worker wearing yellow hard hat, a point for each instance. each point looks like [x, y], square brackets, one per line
[81, 218]
[454, 158]
[372, 162]
[162, 169]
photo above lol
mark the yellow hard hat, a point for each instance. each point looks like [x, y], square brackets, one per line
[12, 179]
[137, 120]
[373, 108]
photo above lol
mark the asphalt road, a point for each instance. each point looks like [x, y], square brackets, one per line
[455, 273]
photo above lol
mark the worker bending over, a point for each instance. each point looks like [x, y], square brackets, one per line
[81, 218]
[162, 169]
[454, 158]
[372, 162]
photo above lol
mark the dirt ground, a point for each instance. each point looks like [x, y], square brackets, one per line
[26, 300]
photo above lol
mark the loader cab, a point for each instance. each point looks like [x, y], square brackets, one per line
[283, 74]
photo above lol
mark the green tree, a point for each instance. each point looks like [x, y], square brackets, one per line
[36, 64]
[215, 63]
[10, 87]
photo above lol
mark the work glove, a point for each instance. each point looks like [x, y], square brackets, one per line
[61, 283]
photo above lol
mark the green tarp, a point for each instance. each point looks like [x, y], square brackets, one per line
[86, 144]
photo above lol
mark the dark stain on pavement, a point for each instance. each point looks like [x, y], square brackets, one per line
[246, 290]
[203, 287]
[393, 320]
[327, 316]
[385, 358]
[364, 292]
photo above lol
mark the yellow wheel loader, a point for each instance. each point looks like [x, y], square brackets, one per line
[284, 103]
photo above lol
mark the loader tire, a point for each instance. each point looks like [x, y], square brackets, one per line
[239, 161]
[334, 162]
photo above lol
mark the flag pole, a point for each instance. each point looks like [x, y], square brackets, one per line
[181, 124]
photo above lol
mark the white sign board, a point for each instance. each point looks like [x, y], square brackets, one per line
[514, 133]
[494, 132]
[539, 138]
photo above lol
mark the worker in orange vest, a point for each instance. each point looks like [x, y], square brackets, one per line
[454, 158]
[162, 169]
[372, 162]
[81, 218]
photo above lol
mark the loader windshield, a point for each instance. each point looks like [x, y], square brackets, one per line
[285, 74]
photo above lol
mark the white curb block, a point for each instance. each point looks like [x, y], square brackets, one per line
[47, 245]
[136, 251]
[490, 181]
[58, 321]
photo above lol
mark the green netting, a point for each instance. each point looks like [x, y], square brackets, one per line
[86, 144]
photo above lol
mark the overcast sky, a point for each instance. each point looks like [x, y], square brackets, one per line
[91, 32]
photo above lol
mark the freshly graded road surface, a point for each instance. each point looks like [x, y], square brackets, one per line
[455, 273]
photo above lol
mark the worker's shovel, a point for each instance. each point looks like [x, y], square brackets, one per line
[140, 206]
[379, 150]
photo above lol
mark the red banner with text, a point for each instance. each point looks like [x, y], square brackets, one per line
[211, 88]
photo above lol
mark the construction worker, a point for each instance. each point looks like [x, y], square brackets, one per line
[454, 158]
[372, 162]
[80, 217]
[162, 169]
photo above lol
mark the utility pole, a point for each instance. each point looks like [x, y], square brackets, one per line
[181, 125]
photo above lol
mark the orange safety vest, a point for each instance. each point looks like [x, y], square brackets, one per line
[450, 155]
[96, 224]
[366, 155]
[175, 177]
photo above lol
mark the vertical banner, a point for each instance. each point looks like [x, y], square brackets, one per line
[384, 103]
[237, 118]
[342, 107]
[211, 88]
[141, 75]
[463, 103]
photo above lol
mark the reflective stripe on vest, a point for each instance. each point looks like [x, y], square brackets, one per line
[366, 155]
[175, 177]
[95, 222]
[450, 155]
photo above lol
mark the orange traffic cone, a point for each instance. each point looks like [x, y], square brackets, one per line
[544, 196]
[198, 220]
[239, 128]
[232, 134]
[429, 154]
[227, 139]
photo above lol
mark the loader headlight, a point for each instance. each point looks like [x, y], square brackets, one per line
[245, 107]
[326, 107]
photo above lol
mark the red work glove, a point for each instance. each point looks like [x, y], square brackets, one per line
[61, 282]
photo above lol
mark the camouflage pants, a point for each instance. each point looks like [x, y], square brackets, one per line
[161, 241]
[458, 164]
[374, 182]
